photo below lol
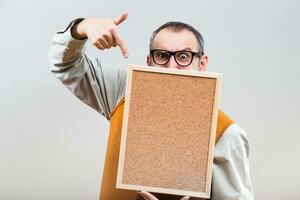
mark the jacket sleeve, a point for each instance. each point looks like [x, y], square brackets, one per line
[231, 173]
[99, 86]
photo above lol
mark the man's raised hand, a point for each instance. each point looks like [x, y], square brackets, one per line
[103, 33]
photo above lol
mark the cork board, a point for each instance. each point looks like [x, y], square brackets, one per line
[168, 132]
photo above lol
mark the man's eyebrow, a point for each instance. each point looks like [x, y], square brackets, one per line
[188, 48]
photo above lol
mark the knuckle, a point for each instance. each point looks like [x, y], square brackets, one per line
[101, 39]
[106, 34]
[113, 30]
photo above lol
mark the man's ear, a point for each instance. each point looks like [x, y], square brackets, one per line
[148, 60]
[203, 63]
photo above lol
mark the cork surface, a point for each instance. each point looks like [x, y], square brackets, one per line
[168, 131]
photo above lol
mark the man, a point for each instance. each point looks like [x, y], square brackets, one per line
[173, 45]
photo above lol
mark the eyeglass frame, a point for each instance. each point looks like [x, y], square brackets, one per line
[173, 53]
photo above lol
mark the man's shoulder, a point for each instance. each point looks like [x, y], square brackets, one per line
[231, 131]
[235, 135]
[234, 139]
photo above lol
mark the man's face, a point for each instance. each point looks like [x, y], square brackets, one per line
[177, 41]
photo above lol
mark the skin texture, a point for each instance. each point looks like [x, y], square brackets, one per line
[103, 34]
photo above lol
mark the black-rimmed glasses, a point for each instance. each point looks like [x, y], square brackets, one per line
[183, 58]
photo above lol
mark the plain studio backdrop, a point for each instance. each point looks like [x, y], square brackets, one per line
[52, 146]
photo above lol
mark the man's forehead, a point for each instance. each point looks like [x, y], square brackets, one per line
[171, 40]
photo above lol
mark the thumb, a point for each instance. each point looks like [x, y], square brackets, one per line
[147, 195]
[121, 18]
[185, 198]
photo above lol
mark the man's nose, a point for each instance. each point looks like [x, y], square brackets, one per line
[172, 63]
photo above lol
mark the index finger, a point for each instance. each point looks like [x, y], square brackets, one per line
[120, 43]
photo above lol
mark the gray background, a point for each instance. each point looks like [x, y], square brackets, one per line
[52, 146]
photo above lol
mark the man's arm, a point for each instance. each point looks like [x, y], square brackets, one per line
[231, 173]
[97, 85]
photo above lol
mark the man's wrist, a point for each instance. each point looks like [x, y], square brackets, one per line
[76, 32]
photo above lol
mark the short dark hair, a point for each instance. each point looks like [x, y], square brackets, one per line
[177, 27]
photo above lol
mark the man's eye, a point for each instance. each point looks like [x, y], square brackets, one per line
[183, 56]
[162, 55]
